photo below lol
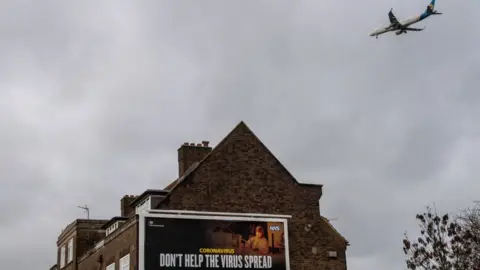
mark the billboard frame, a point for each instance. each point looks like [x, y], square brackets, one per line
[208, 216]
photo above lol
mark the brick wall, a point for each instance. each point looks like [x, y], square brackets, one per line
[242, 176]
[116, 245]
[191, 153]
[88, 234]
[85, 233]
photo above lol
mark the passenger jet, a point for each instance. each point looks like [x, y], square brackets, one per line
[402, 27]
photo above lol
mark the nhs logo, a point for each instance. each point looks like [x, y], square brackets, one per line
[275, 228]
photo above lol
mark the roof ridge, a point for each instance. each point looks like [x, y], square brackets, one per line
[276, 159]
[196, 165]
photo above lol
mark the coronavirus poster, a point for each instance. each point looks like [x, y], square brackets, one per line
[193, 243]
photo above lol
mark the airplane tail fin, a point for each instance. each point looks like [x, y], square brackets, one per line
[431, 6]
[431, 9]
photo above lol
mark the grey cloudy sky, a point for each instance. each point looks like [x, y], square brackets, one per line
[96, 96]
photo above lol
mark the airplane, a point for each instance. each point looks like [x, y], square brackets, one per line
[401, 27]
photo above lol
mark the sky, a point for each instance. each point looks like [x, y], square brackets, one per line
[96, 97]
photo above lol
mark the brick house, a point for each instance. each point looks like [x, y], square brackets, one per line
[239, 175]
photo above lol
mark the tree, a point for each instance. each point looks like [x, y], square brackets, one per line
[444, 243]
[470, 220]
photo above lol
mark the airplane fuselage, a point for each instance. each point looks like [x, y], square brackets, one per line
[404, 26]
[405, 23]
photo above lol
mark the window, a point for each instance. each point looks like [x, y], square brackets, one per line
[113, 227]
[62, 257]
[70, 251]
[125, 262]
[111, 267]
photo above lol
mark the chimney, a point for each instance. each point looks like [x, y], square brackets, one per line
[126, 209]
[190, 153]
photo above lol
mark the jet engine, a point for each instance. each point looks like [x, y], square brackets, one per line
[400, 32]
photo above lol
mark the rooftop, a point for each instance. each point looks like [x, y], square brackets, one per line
[149, 192]
[113, 220]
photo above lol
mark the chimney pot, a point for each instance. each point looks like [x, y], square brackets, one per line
[199, 144]
[205, 143]
[192, 144]
[185, 143]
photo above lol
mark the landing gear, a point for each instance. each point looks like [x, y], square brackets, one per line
[376, 37]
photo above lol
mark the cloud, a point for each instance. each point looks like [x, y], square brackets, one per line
[97, 96]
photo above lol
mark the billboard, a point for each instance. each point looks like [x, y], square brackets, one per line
[199, 242]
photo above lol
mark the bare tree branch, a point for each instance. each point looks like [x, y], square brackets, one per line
[445, 243]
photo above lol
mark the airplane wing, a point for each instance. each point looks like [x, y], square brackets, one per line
[414, 29]
[393, 19]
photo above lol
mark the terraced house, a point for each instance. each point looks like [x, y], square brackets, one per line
[239, 175]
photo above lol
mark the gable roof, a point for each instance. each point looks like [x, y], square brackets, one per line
[172, 186]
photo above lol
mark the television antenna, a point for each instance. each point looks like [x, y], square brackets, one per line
[87, 210]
